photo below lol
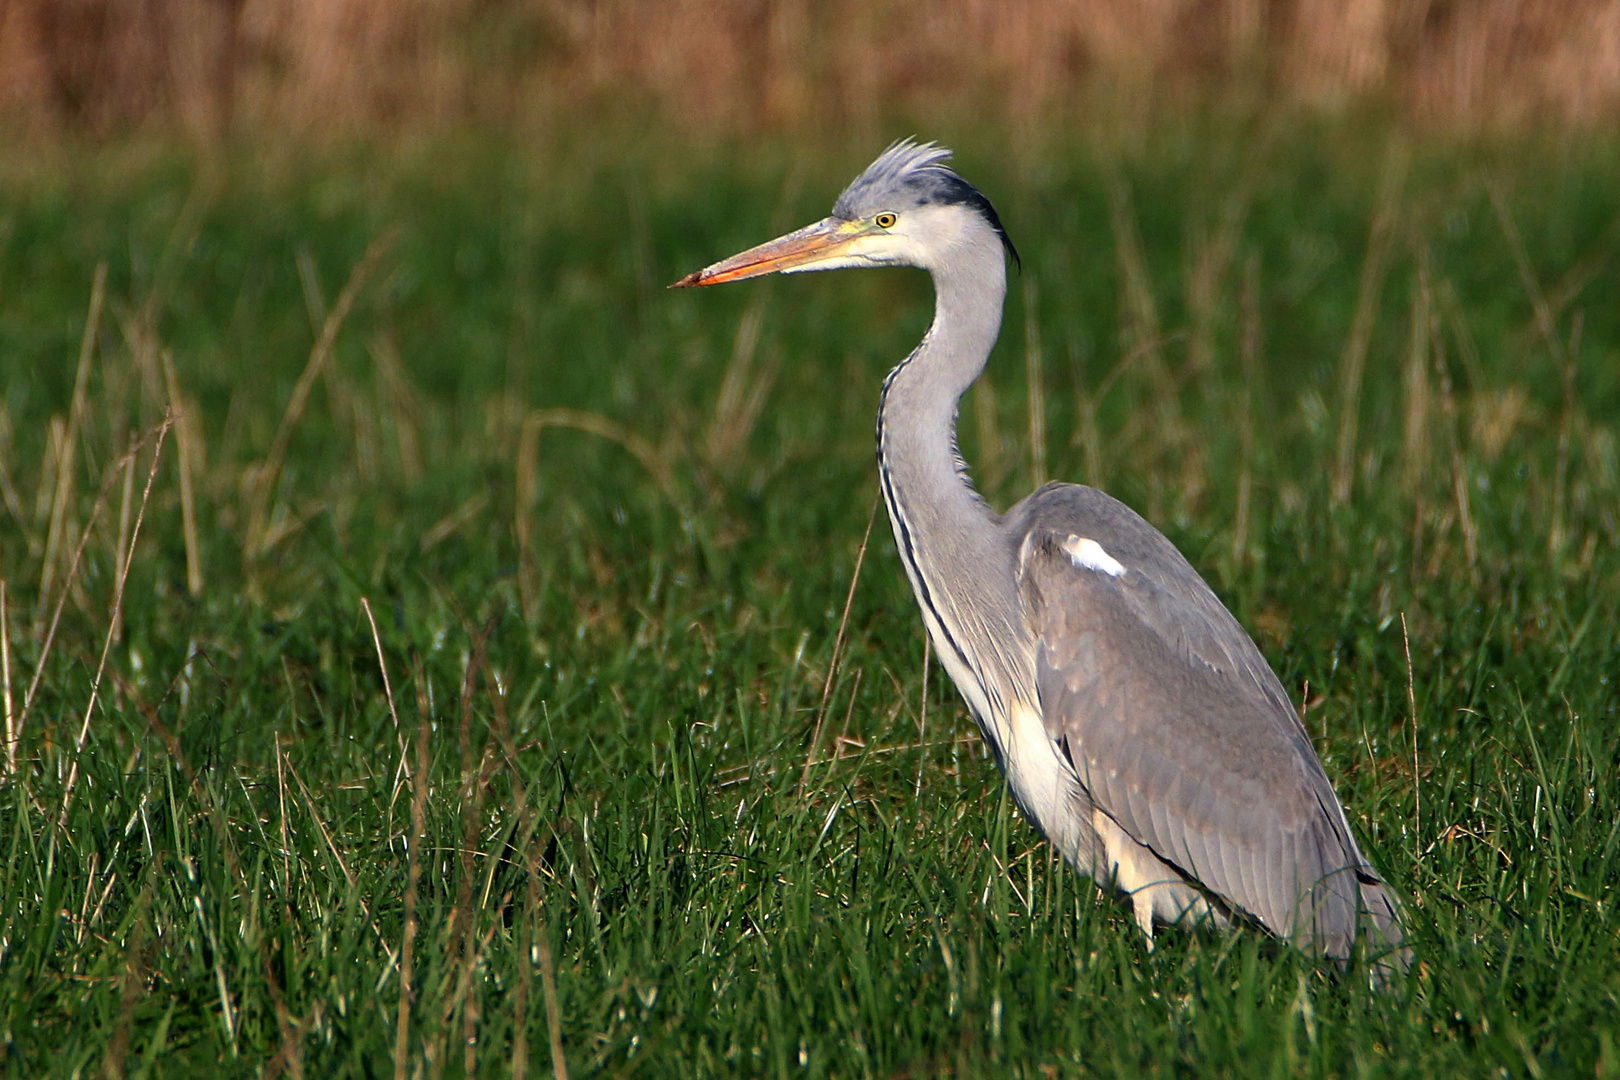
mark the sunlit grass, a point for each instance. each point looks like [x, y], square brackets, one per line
[440, 420]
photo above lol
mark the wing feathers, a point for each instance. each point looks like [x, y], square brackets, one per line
[1177, 728]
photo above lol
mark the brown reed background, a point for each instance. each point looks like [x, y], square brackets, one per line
[211, 66]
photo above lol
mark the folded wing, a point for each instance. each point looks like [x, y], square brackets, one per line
[1178, 729]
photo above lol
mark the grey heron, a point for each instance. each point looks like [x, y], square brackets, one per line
[1139, 727]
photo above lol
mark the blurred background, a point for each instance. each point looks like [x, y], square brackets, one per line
[215, 66]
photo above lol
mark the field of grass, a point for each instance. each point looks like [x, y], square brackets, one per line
[432, 649]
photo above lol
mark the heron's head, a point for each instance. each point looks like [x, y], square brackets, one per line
[909, 208]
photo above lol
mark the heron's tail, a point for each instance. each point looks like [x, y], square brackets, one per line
[1381, 918]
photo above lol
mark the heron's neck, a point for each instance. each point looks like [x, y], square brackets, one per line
[950, 540]
[923, 471]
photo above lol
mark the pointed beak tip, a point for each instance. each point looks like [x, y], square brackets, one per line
[804, 249]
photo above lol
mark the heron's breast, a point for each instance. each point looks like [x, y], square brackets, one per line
[1042, 782]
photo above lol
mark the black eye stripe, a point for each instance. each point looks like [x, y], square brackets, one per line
[918, 176]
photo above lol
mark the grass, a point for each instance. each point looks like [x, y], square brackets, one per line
[465, 624]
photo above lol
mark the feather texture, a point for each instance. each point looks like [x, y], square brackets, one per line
[1178, 730]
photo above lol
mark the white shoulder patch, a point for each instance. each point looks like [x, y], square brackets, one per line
[1087, 554]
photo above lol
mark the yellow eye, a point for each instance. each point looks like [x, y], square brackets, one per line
[884, 221]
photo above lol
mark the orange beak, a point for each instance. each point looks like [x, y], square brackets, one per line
[795, 251]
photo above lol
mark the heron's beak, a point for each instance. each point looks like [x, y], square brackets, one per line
[825, 241]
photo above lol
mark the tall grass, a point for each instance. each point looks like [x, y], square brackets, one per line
[514, 690]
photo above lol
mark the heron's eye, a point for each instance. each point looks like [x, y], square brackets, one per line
[884, 221]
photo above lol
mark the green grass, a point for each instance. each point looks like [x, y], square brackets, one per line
[609, 631]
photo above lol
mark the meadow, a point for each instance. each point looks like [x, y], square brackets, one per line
[434, 649]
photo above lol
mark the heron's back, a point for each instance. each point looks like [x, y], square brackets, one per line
[1176, 727]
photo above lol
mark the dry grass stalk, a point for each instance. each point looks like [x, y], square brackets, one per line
[309, 279]
[651, 459]
[205, 187]
[1032, 372]
[537, 946]
[346, 408]
[1190, 454]
[527, 468]
[922, 715]
[548, 973]
[743, 390]
[1161, 427]
[5, 673]
[527, 477]
[84, 905]
[291, 1033]
[838, 647]
[388, 690]
[283, 761]
[447, 526]
[1211, 257]
[8, 484]
[1459, 467]
[1571, 284]
[118, 608]
[1249, 347]
[230, 1014]
[1415, 440]
[73, 570]
[289, 1056]
[424, 709]
[1546, 324]
[45, 494]
[520, 993]
[382, 663]
[1566, 423]
[1353, 364]
[88, 924]
[268, 474]
[1527, 273]
[286, 845]
[1085, 435]
[66, 475]
[132, 980]
[842, 739]
[407, 949]
[474, 787]
[537, 943]
[186, 437]
[1139, 313]
[139, 326]
[362, 429]
[399, 404]
[463, 996]
[1411, 704]
[1450, 306]
[124, 506]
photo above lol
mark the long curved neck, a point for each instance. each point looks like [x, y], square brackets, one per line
[925, 482]
[949, 538]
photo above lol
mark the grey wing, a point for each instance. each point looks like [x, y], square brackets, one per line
[1178, 729]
